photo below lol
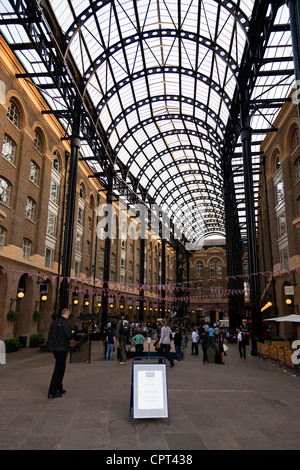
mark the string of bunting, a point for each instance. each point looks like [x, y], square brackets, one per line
[176, 287]
[214, 293]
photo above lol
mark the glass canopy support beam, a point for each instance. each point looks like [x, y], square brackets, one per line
[108, 232]
[163, 276]
[251, 226]
[294, 7]
[233, 250]
[70, 210]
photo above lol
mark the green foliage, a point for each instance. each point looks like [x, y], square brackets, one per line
[36, 340]
[36, 315]
[12, 315]
[12, 344]
[276, 338]
[54, 316]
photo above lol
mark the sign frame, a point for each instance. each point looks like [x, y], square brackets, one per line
[149, 389]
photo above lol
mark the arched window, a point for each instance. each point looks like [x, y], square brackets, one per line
[13, 114]
[9, 148]
[215, 268]
[81, 191]
[56, 161]
[294, 140]
[34, 172]
[277, 162]
[37, 141]
[30, 209]
[2, 238]
[5, 191]
[278, 180]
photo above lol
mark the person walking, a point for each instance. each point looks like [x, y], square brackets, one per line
[205, 346]
[110, 344]
[242, 341]
[177, 343]
[165, 343]
[123, 336]
[195, 339]
[58, 342]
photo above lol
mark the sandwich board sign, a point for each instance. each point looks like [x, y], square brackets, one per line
[149, 390]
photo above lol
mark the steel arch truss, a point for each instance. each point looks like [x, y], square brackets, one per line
[162, 86]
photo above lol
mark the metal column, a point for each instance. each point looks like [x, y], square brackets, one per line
[163, 276]
[108, 231]
[251, 231]
[70, 211]
[294, 7]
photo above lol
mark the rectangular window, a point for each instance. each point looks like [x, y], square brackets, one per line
[297, 170]
[88, 248]
[77, 268]
[52, 224]
[281, 222]
[54, 192]
[78, 242]
[49, 256]
[80, 216]
[279, 192]
[284, 258]
[2, 238]
[26, 246]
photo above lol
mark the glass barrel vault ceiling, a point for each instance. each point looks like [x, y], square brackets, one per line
[161, 75]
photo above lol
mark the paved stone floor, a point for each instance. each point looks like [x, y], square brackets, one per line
[246, 404]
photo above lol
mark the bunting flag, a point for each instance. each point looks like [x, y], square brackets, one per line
[170, 287]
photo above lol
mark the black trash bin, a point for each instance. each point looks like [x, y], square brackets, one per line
[23, 341]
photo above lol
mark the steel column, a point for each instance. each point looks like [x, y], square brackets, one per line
[251, 230]
[108, 231]
[70, 211]
[294, 7]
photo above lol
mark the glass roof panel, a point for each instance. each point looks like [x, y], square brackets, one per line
[162, 75]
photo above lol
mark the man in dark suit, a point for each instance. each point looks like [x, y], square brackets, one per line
[58, 342]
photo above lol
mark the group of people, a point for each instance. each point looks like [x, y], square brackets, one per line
[208, 333]
[60, 334]
[125, 335]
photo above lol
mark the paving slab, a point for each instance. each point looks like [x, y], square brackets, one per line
[246, 404]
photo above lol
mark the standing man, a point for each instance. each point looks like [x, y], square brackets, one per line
[242, 341]
[123, 336]
[58, 342]
[177, 342]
